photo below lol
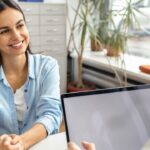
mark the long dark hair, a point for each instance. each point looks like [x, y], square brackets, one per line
[12, 4]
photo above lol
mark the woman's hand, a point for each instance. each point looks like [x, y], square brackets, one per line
[16, 139]
[86, 146]
[73, 146]
[11, 142]
[5, 142]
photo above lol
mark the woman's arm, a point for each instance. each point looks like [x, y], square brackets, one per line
[33, 135]
[30, 137]
[48, 107]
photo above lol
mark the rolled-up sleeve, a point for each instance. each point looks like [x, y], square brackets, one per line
[48, 108]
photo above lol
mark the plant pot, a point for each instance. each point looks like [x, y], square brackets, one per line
[112, 52]
[74, 87]
[95, 46]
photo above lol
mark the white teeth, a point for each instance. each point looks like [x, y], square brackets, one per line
[16, 45]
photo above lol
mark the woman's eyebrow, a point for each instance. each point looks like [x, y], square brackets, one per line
[6, 27]
[3, 28]
[21, 20]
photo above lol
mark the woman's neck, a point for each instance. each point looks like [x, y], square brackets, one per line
[15, 65]
[16, 71]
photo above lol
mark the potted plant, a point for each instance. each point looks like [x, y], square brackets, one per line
[112, 35]
[103, 29]
[116, 43]
[99, 23]
[118, 33]
[81, 28]
[96, 41]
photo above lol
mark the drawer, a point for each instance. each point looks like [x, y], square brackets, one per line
[32, 19]
[52, 9]
[52, 30]
[52, 20]
[52, 40]
[53, 49]
[33, 30]
[29, 8]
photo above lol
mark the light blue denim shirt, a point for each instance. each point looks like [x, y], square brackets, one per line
[42, 96]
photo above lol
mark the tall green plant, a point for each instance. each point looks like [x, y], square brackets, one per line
[83, 29]
[79, 32]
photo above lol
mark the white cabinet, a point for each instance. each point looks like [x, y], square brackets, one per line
[46, 23]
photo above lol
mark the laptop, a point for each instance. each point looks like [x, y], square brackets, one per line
[114, 119]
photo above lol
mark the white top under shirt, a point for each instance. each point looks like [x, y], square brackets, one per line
[20, 103]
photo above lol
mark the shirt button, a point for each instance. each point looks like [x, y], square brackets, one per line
[25, 90]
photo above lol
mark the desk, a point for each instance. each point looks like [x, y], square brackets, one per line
[53, 142]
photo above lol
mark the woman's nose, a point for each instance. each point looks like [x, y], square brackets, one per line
[15, 34]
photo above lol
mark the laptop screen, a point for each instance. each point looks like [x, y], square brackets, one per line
[114, 119]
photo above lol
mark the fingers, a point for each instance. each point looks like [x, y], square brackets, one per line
[88, 146]
[5, 140]
[18, 146]
[16, 140]
[12, 142]
[73, 146]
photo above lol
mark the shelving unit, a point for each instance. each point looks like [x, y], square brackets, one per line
[46, 23]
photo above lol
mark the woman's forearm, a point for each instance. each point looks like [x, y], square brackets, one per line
[33, 135]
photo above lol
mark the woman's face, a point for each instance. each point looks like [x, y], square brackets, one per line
[14, 36]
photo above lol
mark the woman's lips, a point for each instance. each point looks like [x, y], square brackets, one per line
[16, 45]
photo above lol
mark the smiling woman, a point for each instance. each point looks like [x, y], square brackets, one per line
[30, 106]
[14, 36]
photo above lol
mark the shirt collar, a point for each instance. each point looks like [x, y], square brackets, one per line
[31, 72]
[1, 73]
[31, 65]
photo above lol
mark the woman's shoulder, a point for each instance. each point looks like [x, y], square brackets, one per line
[41, 63]
[43, 58]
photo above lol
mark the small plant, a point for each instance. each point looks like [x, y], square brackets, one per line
[119, 32]
[99, 21]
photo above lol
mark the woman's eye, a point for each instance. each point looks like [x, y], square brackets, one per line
[20, 26]
[4, 31]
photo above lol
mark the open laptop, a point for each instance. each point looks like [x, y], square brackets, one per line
[114, 119]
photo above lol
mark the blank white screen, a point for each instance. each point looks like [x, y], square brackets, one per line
[113, 121]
